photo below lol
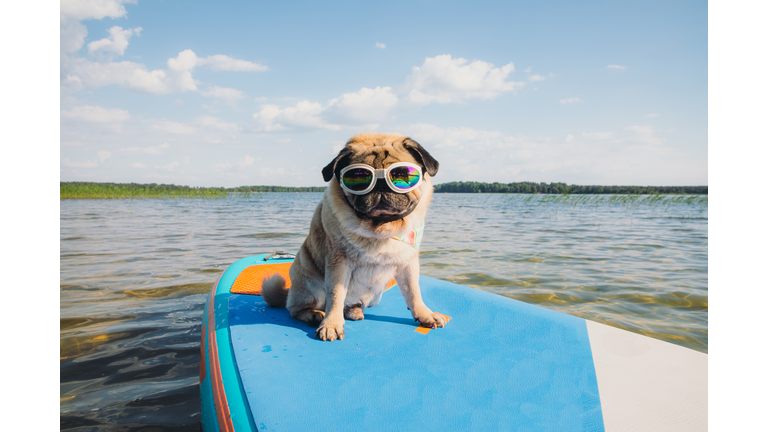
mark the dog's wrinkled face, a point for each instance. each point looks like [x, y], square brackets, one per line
[382, 204]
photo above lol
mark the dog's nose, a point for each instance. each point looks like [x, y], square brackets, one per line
[381, 186]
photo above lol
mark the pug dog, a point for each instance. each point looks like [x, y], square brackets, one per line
[364, 232]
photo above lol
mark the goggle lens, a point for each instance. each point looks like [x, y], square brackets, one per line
[357, 179]
[404, 177]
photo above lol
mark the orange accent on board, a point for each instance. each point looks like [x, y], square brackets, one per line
[202, 354]
[250, 279]
[219, 396]
[425, 330]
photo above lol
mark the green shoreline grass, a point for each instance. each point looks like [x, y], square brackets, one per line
[82, 190]
[89, 190]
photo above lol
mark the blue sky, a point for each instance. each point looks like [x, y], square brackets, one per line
[246, 93]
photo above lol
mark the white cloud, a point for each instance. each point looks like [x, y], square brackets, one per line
[72, 36]
[173, 127]
[440, 79]
[597, 135]
[82, 73]
[92, 9]
[360, 109]
[220, 62]
[95, 114]
[245, 162]
[71, 83]
[380, 45]
[223, 166]
[305, 115]
[186, 60]
[116, 43]
[443, 79]
[149, 150]
[645, 135]
[651, 115]
[175, 165]
[365, 105]
[108, 118]
[138, 165]
[170, 166]
[452, 137]
[618, 67]
[102, 155]
[272, 172]
[87, 164]
[223, 93]
[71, 12]
[536, 77]
[629, 156]
[215, 123]
[570, 100]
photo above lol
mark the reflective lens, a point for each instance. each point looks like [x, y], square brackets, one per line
[404, 177]
[357, 179]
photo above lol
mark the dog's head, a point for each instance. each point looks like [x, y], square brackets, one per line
[382, 204]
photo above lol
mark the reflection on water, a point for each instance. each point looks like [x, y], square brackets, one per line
[134, 277]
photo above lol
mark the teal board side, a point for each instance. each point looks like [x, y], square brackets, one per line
[499, 364]
[207, 406]
[239, 408]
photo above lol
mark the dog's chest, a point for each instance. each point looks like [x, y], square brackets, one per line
[367, 285]
[371, 273]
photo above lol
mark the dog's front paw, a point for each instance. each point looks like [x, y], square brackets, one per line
[330, 330]
[430, 319]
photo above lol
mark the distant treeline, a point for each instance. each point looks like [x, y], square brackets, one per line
[277, 189]
[562, 188]
[154, 190]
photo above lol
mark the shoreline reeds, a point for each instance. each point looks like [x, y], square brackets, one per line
[628, 201]
[132, 190]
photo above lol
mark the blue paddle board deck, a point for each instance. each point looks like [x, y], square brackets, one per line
[499, 364]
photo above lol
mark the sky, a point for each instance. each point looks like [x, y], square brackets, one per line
[266, 93]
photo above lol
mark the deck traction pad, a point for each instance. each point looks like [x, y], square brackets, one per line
[249, 281]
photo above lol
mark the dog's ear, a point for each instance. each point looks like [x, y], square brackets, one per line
[422, 155]
[339, 161]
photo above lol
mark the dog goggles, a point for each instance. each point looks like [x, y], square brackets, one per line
[359, 179]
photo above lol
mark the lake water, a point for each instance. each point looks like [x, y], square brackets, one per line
[135, 273]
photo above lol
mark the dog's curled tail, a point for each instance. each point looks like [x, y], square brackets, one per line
[273, 290]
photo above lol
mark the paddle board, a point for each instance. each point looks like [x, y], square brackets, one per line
[499, 364]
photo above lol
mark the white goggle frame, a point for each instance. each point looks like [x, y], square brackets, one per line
[380, 173]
